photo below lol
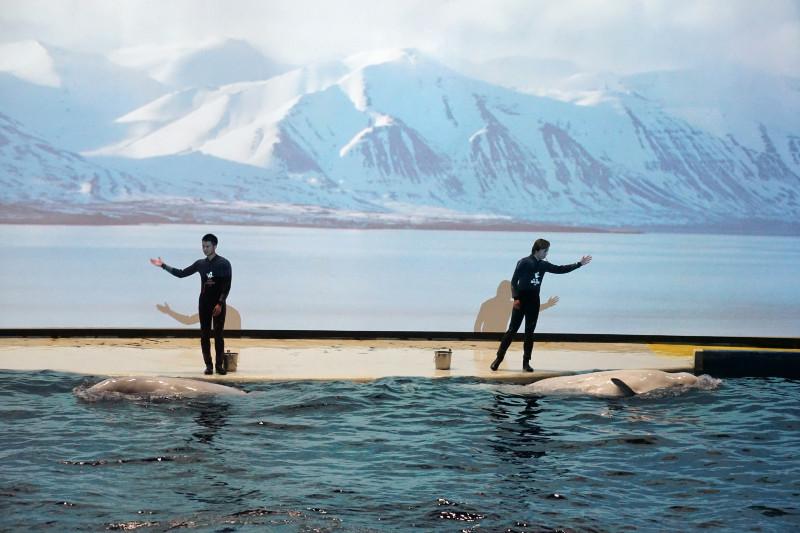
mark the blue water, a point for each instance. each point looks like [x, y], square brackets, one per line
[397, 455]
[336, 279]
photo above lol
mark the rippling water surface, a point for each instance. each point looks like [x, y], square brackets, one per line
[399, 454]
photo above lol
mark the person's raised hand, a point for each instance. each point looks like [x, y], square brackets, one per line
[586, 259]
[157, 262]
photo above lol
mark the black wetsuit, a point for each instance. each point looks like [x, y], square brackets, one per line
[215, 284]
[525, 285]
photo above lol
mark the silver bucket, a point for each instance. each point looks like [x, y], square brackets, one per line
[442, 359]
[231, 361]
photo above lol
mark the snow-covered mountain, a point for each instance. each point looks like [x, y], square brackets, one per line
[396, 134]
[33, 170]
[71, 99]
[212, 63]
[724, 100]
[43, 183]
[752, 108]
[182, 121]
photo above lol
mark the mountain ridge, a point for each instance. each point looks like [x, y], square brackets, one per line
[383, 129]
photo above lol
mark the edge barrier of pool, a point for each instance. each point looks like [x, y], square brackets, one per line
[747, 363]
[403, 355]
[784, 343]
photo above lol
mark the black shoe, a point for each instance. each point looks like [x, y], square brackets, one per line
[221, 371]
[496, 363]
[208, 371]
[526, 367]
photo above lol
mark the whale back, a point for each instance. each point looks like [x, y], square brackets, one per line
[160, 387]
[613, 383]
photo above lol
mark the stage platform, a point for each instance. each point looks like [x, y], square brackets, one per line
[330, 359]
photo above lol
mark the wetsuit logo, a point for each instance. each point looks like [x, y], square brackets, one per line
[210, 275]
[536, 279]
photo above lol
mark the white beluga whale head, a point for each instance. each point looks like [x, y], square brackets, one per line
[157, 387]
[614, 383]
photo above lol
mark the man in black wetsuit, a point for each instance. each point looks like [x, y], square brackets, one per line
[525, 285]
[215, 284]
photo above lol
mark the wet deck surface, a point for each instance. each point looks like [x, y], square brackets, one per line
[359, 360]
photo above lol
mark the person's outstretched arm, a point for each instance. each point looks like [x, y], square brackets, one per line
[563, 269]
[177, 272]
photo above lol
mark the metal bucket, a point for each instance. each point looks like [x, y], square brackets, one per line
[231, 361]
[442, 359]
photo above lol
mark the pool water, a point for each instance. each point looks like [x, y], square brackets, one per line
[398, 454]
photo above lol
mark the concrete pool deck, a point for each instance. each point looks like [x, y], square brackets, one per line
[310, 359]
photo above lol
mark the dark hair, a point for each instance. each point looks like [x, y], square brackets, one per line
[540, 244]
[210, 237]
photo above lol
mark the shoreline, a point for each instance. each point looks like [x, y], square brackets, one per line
[35, 218]
[325, 218]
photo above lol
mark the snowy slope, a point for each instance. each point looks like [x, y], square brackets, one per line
[41, 182]
[399, 127]
[71, 99]
[33, 170]
[185, 121]
[753, 108]
[394, 131]
[212, 63]
[29, 61]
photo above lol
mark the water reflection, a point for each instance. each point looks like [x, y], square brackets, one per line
[212, 417]
[518, 435]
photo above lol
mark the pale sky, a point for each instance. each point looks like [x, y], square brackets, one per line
[621, 36]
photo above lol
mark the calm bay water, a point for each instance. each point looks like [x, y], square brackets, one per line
[397, 455]
[334, 279]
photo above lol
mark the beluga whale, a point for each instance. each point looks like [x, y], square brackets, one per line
[615, 383]
[157, 386]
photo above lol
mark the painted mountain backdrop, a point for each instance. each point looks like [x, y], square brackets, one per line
[220, 133]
